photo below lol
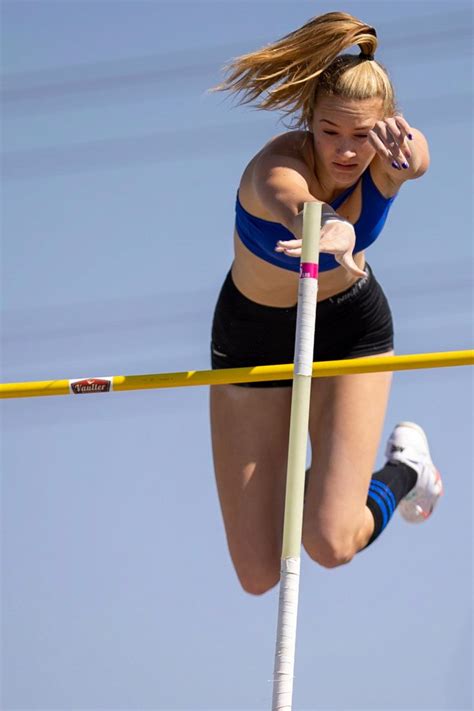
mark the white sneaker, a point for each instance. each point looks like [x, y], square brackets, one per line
[408, 444]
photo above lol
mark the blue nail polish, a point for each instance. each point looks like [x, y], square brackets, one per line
[396, 165]
[410, 137]
[405, 165]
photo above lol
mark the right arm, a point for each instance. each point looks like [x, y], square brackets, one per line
[280, 180]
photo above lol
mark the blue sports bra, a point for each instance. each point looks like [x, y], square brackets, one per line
[260, 236]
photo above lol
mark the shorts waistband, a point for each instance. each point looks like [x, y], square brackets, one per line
[353, 291]
[245, 304]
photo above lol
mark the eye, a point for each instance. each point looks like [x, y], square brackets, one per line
[330, 133]
[362, 135]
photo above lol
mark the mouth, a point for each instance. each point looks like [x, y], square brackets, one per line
[345, 166]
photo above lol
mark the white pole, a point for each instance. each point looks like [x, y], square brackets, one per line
[293, 521]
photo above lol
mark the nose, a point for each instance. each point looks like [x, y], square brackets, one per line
[346, 149]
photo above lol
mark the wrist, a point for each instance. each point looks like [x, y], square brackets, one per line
[328, 214]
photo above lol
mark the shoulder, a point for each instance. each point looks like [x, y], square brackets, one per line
[292, 143]
[283, 166]
[290, 151]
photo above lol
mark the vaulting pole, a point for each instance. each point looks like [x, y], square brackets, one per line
[293, 521]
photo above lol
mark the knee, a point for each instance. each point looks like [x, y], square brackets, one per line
[256, 562]
[257, 571]
[259, 581]
[330, 549]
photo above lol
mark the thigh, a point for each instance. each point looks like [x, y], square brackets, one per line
[346, 422]
[250, 430]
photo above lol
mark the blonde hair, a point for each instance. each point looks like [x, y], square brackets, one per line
[305, 64]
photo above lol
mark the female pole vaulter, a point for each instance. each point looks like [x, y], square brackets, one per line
[350, 150]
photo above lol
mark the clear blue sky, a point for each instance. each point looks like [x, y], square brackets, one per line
[119, 180]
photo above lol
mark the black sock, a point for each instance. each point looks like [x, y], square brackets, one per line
[387, 487]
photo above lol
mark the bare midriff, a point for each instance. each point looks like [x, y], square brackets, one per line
[270, 285]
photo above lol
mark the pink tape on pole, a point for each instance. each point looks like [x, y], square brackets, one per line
[308, 270]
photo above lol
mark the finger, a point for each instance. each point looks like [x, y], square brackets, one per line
[291, 247]
[394, 129]
[382, 140]
[384, 151]
[397, 140]
[379, 146]
[407, 133]
[405, 126]
[347, 261]
[330, 249]
[394, 141]
[292, 243]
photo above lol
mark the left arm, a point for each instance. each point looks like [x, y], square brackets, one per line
[419, 160]
[397, 143]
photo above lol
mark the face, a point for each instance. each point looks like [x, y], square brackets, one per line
[340, 128]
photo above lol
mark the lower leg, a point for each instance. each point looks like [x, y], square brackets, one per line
[387, 488]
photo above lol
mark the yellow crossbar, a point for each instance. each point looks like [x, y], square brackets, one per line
[325, 369]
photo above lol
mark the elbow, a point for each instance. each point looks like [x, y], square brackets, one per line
[421, 169]
[421, 157]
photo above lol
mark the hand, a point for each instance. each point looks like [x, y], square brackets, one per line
[337, 238]
[390, 139]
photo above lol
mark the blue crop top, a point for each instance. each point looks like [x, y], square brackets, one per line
[260, 236]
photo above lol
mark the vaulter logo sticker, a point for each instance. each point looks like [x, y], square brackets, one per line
[91, 385]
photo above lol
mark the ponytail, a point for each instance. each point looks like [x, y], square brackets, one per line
[288, 74]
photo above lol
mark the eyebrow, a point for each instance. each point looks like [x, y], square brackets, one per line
[358, 128]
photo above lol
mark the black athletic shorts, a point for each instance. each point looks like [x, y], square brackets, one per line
[357, 322]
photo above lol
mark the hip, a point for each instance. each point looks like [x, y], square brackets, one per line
[353, 323]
